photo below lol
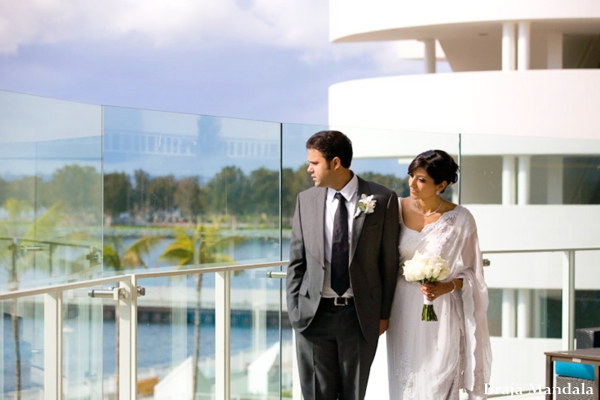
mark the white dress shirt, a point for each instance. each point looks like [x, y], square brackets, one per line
[350, 193]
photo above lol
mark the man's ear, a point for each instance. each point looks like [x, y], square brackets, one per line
[336, 163]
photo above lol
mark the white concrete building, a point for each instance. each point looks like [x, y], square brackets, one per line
[521, 104]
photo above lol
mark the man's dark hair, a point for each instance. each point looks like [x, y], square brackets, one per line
[332, 144]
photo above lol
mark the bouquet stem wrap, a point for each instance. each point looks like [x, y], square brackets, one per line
[428, 313]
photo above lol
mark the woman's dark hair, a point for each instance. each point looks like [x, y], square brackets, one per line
[438, 164]
[332, 144]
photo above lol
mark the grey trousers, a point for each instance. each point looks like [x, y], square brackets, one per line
[334, 359]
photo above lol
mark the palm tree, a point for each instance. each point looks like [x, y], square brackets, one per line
[116, 258]
[203, 246]
[40, 229]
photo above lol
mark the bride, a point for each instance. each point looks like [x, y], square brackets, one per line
[433, 360]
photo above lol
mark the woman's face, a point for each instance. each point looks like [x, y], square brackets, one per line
[422, 185]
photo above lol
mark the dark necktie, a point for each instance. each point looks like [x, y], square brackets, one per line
[340, 280]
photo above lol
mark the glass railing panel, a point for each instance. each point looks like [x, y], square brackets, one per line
[526, 312]
[22, 348]
[525, 291]
[587, 292]
[260, 354]
[176, 326]
[50, 185]
[180, 179]
[89, 344]
[530, 170]
[525, 194]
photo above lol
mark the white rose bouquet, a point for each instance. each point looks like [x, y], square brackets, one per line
[426, 268]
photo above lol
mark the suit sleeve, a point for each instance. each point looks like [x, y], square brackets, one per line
[389, 261]
[297, 266]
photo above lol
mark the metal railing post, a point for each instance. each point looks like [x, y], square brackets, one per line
[222, 335]
[127, 346]
[296, 389]
[568, 300]
[53, 345]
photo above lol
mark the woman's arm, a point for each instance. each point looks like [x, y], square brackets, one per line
[437, 289]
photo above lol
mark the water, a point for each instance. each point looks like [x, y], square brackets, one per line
[155, 343]
[90, 346]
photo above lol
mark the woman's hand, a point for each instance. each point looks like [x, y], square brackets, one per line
[436, 289]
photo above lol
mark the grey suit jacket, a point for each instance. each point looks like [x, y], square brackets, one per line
[374, 265]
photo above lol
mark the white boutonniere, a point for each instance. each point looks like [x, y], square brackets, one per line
[366, 204]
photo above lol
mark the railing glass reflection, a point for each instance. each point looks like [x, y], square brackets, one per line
[90, 191]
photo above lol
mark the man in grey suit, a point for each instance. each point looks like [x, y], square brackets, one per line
[339, 313]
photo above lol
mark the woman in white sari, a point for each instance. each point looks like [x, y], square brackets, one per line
[430, 360]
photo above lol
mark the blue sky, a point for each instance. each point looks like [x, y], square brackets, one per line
[257, 59]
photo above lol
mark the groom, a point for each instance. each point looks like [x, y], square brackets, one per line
[342, 271]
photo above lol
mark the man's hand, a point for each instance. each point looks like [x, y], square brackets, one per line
[383, 325]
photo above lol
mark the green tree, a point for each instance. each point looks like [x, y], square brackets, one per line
[293, 183]
[162, 191]
[302, 179]
[263, 185]
[288, 193]
[189, 197]
[118, 258]
[4, 185]
[141, 198]
[399, 185]
[77, 187]
[227, 192]
[26, 189]
[117, 188]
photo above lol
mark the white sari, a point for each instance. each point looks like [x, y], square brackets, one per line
[432, 360]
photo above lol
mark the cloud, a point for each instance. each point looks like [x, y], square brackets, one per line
[188, 25]
[290, 23]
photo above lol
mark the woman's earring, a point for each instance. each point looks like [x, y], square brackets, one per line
[437, 192]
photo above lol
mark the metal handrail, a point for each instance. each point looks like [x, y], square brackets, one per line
[49, 242]
[544, 250]
[128, 304]
[127, 277]
[205, 270]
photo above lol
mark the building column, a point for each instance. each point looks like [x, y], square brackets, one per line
[523, 198]
[508, 313]
[509, 197]
[537, 316]
[509, 47]
[429, 56]
[524, 180]
[555, 179]
[509, 180]
[523, 313]
[524, 46]
[555, 51]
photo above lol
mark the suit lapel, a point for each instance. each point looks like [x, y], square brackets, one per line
[318, 223]
[359, 220]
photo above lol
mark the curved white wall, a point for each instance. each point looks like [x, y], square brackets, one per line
[355, 20]
[544, 103]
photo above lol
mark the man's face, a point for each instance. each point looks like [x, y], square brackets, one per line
[319, 169]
